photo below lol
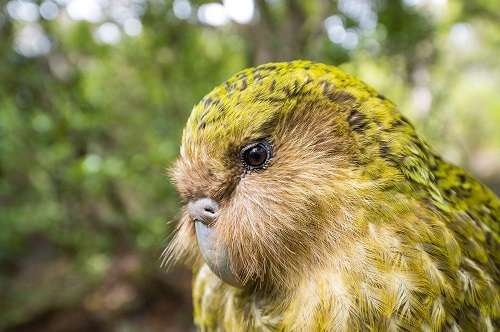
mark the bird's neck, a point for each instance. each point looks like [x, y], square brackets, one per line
[377, 273]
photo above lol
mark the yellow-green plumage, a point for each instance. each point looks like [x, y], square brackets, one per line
[356, 225]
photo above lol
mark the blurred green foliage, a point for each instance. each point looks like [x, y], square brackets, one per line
[92, 108]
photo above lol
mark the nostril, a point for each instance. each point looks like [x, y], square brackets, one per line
[209, 210]
[203, 209]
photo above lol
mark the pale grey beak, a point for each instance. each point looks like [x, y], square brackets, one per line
[204, 212]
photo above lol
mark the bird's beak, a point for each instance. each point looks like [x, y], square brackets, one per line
[215, 254]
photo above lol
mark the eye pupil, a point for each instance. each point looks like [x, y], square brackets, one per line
[257, 155]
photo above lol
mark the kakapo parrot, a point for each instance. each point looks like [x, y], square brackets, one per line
[311, 204]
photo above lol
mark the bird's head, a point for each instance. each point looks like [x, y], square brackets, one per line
[275, 166]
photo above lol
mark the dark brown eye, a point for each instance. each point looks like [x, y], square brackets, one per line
[256, 155]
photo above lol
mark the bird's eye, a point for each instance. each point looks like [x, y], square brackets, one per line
[256, 155]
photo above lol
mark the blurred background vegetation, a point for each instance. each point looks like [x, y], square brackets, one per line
[93, 97]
